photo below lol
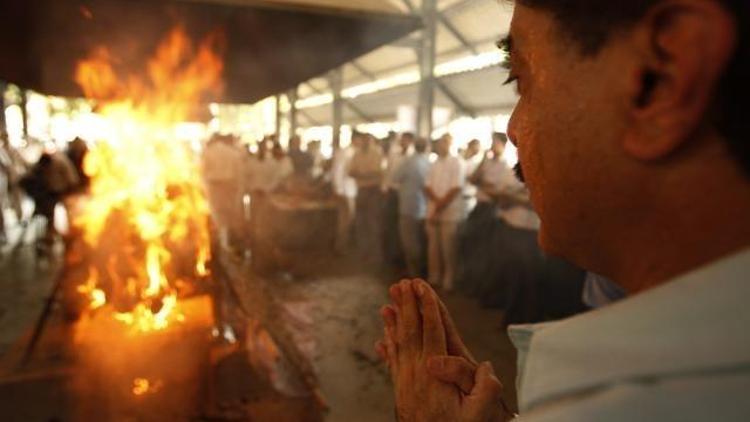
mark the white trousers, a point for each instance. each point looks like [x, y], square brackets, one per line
[441, 250]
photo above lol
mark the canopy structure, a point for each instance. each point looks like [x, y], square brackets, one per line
[272, 45]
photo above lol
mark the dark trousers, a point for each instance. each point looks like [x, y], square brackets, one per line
[368, 223]
[393, 253]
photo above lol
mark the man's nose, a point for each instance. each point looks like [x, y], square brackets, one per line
[511, 132]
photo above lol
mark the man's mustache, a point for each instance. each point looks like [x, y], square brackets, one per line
[518, 169]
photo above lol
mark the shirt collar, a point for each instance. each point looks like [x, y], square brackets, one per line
[698, 322]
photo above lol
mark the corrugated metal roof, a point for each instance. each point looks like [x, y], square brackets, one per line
[481, 91]
[480, 22]
[383, 6]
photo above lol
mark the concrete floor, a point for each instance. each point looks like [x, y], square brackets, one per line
[344, 305]
[25, 283]
[341, 302]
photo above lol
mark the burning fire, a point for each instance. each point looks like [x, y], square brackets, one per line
[142, 386]
[146, 220]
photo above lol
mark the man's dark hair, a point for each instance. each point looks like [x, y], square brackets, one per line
[591, 23]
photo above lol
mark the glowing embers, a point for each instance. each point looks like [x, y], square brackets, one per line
[145, 221]
[97, 298]
[143, 386]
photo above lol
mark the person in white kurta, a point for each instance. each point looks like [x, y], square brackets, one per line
[445, 211]
[222, 172]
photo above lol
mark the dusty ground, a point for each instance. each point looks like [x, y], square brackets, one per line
[341, 302]
[25, 283]
[344, 306]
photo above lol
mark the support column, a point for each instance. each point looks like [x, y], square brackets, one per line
[25, 114]
[292, 111]
[426, 56]
[335, 80]
[278, 118]
[3, 124]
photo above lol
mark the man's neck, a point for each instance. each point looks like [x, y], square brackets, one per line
[695, 219]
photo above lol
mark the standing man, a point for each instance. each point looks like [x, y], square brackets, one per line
[472, 157]
[300, 158]
[478, 237]
[397, 154]
[345, 189]
[15, 167]
[632, 133]
[445, 211]
[410, 178]
[222, 172]
[366, 168]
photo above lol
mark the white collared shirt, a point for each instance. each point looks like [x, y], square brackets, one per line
[268, 174]
[446, 174]
[343, 184]
[519, 216]
[222, 162]
[496, 174]
[678, 352]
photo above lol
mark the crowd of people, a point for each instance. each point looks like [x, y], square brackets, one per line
[407, 207]
[46, 181]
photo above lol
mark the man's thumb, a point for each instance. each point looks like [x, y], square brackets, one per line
[453, 370]
[487, 385]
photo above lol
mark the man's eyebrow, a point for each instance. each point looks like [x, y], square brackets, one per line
[505, 45]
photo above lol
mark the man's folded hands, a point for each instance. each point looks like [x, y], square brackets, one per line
[434, 375]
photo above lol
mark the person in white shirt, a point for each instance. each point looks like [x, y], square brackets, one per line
[345, 189]
[318, 160]
[15, 167]
[398, 153]
[222, 172]
[632, 134]
[267, 169]
[488, 179]
[445, 211]
[366, 168]
[412, 203]
[472, 157]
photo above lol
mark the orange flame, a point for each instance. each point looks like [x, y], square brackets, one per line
[142, 386]
[146, 200]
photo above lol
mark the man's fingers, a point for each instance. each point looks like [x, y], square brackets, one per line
[408, 323]
[380, 350]
[433, 332]
[453, 370]
[486, 385]
[395, 293]
[388, 313]
[455, 344]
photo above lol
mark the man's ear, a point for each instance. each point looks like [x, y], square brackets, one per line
[685, 46]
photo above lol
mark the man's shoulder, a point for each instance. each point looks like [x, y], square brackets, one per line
[692, 328]
[718, 395]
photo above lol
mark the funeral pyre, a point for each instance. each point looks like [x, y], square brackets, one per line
[143, 229]
[145, 302]
[146, 218]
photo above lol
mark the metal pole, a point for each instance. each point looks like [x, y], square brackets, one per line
[336, 81]
[292, 111]
[427, 69]
[278, 117]
[3, 124]
[25, 114]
